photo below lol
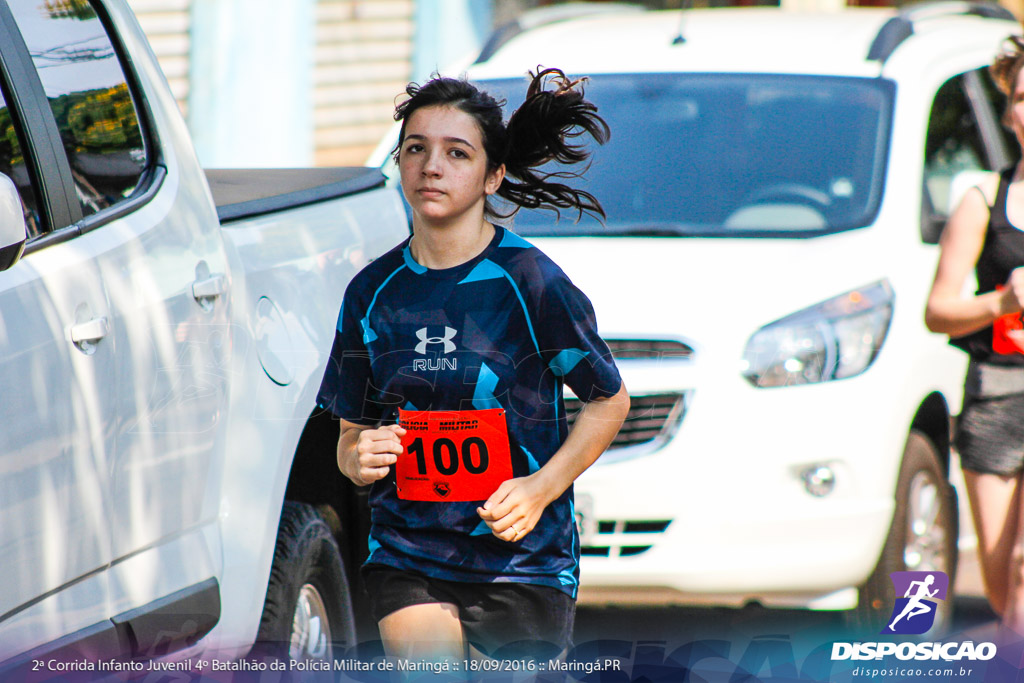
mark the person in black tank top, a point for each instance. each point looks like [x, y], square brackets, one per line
[986, 233]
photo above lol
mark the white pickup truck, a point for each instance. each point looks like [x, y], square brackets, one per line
[165, 490]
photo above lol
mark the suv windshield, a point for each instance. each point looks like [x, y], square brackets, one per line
[731, 155]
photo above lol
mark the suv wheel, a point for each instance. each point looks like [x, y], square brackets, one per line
[923, 537]
[308, 611]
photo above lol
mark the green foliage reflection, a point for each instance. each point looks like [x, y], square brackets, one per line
[98, 121]
[69, 9]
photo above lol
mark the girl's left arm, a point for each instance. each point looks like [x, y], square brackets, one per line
[515, 508]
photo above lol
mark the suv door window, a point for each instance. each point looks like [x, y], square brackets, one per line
[996, 100]
[953, 145]
[89, 97]
[14, 165]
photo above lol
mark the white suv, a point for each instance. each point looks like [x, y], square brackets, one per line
[775, 185]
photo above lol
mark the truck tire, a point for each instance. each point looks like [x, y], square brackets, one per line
[922, 537]
[308, 610]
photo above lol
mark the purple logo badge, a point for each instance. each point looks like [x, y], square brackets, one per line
[917, 594]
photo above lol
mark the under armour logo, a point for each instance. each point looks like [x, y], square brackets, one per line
[449, 345]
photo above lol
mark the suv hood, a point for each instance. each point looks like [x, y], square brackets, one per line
[713, 293]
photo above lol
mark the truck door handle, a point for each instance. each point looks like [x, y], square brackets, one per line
[209, 288]
[86, 335]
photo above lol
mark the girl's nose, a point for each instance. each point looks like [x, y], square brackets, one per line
[432, 165]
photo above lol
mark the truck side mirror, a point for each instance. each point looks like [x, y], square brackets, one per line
[12, 224]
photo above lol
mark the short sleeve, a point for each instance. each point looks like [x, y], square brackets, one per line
[570, 344]
[347, 389]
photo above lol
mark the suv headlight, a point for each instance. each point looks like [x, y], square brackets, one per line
[834, 339]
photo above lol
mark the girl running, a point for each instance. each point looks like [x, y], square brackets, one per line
[447, 374]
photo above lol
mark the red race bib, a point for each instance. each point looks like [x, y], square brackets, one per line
[452, 455]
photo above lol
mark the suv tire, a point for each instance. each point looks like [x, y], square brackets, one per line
[308, 609]
[922, 537]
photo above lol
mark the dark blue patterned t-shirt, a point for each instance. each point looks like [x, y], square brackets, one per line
[504, 330]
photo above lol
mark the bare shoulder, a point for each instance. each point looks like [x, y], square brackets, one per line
[988, 187]
[975, 205]
[964, 234]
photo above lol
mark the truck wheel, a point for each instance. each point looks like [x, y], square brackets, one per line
[308, 611]
[922, 537]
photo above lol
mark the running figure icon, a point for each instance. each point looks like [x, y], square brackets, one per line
[915, 604]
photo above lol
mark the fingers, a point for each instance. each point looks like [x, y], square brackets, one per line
[400, 431]
[501, 501]
[512, 534]
[507, 513]
[377, 450]
[511, 528]
[1015, 285]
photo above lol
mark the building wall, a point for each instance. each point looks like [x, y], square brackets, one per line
[168, 26]
[341, 66]
[363, 59]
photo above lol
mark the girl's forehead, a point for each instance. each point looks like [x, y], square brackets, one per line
[444, 121]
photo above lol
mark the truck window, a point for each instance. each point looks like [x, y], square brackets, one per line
[953, 144]
[89, 97]
[997, 101]
[15, 166]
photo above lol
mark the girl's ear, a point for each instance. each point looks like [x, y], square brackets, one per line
[493, 180]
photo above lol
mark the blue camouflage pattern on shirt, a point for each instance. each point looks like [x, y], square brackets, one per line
[505, 330]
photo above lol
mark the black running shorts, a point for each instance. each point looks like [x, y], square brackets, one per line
[502, 620]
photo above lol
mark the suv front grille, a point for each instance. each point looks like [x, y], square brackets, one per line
[624, 538]
[649, 417]
[648, 349]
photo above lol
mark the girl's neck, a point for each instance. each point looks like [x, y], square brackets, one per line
[439, 248]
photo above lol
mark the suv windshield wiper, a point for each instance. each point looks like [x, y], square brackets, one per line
[656, 230]
[619, 230]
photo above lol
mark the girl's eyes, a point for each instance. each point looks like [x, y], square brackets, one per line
[416, 148]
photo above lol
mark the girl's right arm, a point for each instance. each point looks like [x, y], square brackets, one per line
[366, 453]
[948, 312]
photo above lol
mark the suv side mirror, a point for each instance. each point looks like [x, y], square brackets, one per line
[12, 224]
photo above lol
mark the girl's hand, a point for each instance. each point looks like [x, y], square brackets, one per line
[515, 508]
[1012, 300]
[374, 453]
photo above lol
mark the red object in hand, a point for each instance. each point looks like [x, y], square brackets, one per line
[1002, 341]
[452, 455]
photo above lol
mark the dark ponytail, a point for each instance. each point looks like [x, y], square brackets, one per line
[543, 129]
[540, 131]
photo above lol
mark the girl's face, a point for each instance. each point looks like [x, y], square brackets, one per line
[443, 165]
[1017, 108]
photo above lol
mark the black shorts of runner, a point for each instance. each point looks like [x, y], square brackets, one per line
[990, 434]
[506, 620]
